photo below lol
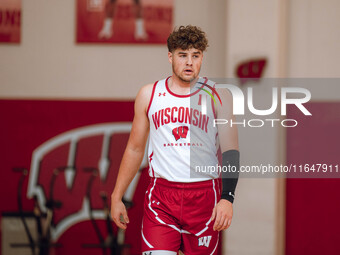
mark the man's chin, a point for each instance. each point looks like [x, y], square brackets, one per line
[188, 79]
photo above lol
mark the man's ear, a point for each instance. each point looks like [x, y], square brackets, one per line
[170, 56]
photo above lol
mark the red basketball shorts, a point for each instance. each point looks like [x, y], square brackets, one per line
[177, 216]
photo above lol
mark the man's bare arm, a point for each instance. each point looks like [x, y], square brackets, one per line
[228, 138]
[133, 155]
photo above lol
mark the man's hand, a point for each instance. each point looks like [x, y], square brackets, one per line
[118, 212]
[222, 213]
[132, 157]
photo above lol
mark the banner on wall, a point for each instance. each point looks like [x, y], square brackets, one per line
[10, 21]
[124, 21]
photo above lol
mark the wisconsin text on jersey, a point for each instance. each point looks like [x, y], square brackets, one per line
[181, 115]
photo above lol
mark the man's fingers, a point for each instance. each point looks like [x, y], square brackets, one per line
[119, 214]
[229, 223]
[225, 224]
[217, 221]
[221, 224]
[119, 223]
[125, 217]
[213, 215]
[223, 213]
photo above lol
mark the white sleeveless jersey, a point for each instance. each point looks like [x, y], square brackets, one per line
[182, 141]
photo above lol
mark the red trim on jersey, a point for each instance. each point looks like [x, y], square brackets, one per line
[212, 102]
[153, 92]
[176, 95]
[150, 157]
[152, 171]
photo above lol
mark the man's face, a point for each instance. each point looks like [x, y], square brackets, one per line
[186, 64]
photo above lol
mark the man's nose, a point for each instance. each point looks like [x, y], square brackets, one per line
[189, 61]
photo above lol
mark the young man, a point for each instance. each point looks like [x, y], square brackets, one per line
[184, 208]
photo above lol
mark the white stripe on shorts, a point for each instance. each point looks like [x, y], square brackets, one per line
[156, 214]
[208, 222]
[159, 252]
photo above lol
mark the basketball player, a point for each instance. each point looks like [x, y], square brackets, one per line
[107, 30]
[184, 208]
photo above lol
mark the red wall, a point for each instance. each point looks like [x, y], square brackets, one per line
[313, 204]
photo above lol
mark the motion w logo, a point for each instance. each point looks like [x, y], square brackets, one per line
[204, 241]
[180, 132]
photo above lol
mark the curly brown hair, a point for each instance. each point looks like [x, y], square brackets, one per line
[186, 37]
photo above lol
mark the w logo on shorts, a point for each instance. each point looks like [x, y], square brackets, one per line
[180, 132]
[204, 241]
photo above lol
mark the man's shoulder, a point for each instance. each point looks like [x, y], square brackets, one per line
[146, 91]
[147, 88]
[144, 96]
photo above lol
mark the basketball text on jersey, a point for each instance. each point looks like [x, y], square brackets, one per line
[204, 241]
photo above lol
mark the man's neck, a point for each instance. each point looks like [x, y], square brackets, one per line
[179, 86]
